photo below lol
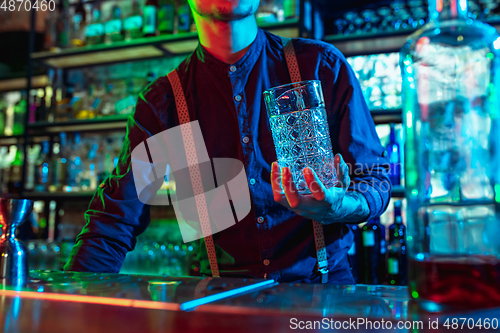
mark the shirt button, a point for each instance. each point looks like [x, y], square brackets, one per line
[237, 98]
[260, 219]
[232, 68]
[266, 262]
[252, 181]
[246, 139]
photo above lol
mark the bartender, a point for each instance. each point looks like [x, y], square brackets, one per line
[223, 82]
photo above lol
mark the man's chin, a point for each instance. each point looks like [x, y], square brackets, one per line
[225, 15]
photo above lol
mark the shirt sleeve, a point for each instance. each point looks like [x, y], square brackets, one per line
[115, 216]
[354, 136]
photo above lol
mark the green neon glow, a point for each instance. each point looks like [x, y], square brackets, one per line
[497, 192]
[414, 294]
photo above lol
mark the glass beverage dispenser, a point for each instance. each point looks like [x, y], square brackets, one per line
[451, 111]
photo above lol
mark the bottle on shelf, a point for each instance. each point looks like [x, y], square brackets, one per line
[87, 180]
[167, 19]
[59, 164]
[397, 260]
[43, 169]
[4, 166]
[41, 106]
[183, 14]
[393, 149]
[19, 115]
[50, 39]
[15, 176]
[33, 152]
[108, 101]
[94, 33]
[75, 164]
[373, 252]
[291, 8]
[126, 105]
[3, 115]
[62, 24]
[113, 27]
[78, 25]
[353, 252]
[132, 25]
[34, 102]
[270, 11]
[150, 11]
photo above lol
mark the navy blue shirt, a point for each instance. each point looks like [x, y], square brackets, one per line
[229, 106]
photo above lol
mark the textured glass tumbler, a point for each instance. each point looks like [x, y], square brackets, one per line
[300, 132]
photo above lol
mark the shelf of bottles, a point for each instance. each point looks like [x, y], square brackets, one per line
[82, 33]
[384, 26]
[88, 105]
[379, 254]
[159, 250]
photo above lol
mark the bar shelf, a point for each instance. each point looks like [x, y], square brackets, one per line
[374, 43]
[140, 49]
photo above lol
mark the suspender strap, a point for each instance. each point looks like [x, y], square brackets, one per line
[194, 169]
[319, 237]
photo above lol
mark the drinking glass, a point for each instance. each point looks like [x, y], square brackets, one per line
[300, 131]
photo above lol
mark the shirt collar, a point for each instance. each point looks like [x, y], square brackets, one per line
[247, 61]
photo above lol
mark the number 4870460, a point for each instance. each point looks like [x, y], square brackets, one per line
[27, 5]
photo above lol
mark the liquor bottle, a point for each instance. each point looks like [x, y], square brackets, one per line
[108, 101]
[43, 169]
[126, 105]
[291, 8]
[33, 154]
[59, 165]
[94, 33]
[19, 115]
[15, 176]
[183, 14]
[49, 42]
[3, 115]
[87, 110]
[149, 13]
[132, 25]
[4, 163]
[75, 164]
[167, 20]
[62, 24]
[394, 157]
[397, 214]
[353, 252]
[87, 180]
[372, 256]
[451, 99]
[41, 107]
[48, 100]
[78, 25]
[113, 27]
[397, 261]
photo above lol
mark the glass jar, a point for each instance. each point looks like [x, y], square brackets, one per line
[451, 112]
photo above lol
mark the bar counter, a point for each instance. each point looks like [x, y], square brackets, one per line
[57, 301]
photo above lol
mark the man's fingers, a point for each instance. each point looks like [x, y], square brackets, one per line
[342, 171]
[276, 181]
[314, 183]
[291, 193]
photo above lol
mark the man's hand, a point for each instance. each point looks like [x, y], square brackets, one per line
[324, 205]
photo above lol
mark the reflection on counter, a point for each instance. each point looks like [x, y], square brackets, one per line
[329, 300]
[135, 287]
